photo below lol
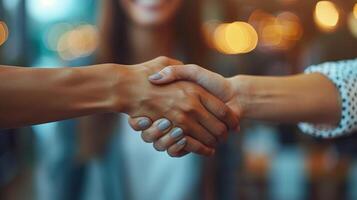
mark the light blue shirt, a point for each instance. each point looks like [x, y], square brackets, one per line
[149, 174]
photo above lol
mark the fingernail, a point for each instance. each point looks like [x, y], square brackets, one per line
[144, 123]
[182, 142]
[166, 71]
[156, 76]
[164, 124]
[176, 133]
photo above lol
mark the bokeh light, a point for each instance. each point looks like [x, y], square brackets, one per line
[54, 33]
[291, 26]
[235, 38]
[219, 39]
[279, 32]
[352, 24]
[4, 32]
[49, 10]
[241, 37]
[355, 10]
[326, 16]
[79, 42]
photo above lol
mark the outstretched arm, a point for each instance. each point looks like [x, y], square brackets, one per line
[300, 98]
[30, 95]
[312, 98]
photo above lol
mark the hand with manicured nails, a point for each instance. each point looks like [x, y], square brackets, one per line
[173, 139]
[187, 107]
[115, 88]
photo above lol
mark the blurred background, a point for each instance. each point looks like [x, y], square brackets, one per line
[99, 157]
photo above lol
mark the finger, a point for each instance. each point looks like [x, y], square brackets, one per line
[156, 131]
[178, 154]
[197, 131]
[164, 61]
[211, 123]
[175, 73]
[140, 123]
[220, 110]
[197, 147]
[181, 154]
[168, 139]
[177, 149]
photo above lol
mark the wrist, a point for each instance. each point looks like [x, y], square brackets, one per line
[119, 80]
[127, 88]
[243, 94]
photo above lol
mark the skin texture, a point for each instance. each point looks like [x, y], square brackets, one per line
[288, 99]
[198, 113]
[30, 96]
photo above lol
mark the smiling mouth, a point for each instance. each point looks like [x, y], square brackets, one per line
[150, 4]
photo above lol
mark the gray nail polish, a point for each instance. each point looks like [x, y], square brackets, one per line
[164, 124]
[144, 123]
[156, 76]
[176, 133]
[182, 141]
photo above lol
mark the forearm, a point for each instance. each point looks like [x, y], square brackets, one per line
[31, 96]
[308, 98]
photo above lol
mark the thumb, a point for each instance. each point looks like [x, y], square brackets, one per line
[212, 82]
[175, 73]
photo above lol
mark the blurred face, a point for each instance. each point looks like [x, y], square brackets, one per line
[151, 12]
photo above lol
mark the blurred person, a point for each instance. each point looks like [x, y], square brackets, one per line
[134, 31]
[324, 98]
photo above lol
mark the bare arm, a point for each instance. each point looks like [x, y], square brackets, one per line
[30, 95]
[305, 97]
[301, 98]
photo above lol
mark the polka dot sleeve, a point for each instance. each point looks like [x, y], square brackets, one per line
[344, 75]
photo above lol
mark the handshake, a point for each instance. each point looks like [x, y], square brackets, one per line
[181, 108]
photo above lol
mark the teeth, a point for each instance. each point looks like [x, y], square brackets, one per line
[149, 2]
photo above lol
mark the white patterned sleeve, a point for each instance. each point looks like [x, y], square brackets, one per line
[344, 75]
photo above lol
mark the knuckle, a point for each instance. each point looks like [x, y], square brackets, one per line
[188, 108]
[163, 59]
[180, 118]
[193, 67]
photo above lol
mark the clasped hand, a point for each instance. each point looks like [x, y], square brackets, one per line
[191, 108]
